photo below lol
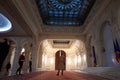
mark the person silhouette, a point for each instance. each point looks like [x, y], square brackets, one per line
[61, 65]
[21, 60]
[8, 66]
[30, 65]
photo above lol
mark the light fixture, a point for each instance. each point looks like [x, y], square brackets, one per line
[5, 24]
[23, 50]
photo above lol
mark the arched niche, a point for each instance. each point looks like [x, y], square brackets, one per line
[27, 48]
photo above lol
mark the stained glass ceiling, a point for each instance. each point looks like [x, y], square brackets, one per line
[64, 12]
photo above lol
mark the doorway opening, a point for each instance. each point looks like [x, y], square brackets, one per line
[57, 57]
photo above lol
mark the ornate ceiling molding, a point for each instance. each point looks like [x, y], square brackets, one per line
[63, 30]
[67, 30]
[65, 5]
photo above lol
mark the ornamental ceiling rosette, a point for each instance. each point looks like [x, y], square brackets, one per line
[64, 5]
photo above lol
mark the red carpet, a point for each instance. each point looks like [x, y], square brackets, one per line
[51, 75]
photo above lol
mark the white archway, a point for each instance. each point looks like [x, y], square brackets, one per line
[75, 55]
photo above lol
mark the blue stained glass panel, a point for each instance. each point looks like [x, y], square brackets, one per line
[64, 12]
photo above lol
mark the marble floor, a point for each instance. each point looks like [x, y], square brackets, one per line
[107, 72]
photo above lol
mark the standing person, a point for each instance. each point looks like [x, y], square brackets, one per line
[30, 65]
[61, 65]
[21, 60]
[8, 66]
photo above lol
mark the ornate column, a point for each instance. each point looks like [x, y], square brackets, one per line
[100, 53]
[89, 51]
[40, 57]
[34, 57]
[16, 55]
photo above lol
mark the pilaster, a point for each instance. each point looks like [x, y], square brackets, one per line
[100, 53]
[16, 57]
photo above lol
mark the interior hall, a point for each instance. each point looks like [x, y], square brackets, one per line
[34, 34]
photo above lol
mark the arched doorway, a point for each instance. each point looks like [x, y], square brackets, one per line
[58, 53]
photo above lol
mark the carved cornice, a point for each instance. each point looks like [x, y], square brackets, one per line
[62, 30]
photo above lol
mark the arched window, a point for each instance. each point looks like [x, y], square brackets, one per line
[5, 23]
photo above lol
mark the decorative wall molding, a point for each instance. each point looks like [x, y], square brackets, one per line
[63, 30]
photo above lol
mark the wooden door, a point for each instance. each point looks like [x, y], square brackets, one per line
[58, 53]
